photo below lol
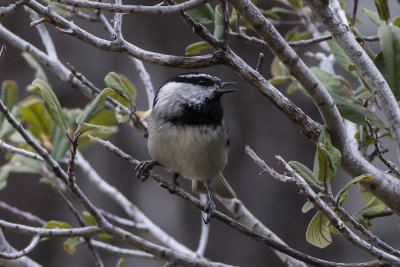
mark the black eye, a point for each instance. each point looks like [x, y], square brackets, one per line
[202, 83]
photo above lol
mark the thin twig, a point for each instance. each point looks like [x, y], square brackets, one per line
[135, 9]
[353, 14]
[15, 255]
[4, 11]
[6, 147]
[130, 209]
[388, 163]
[260, 63]
[174, 189]
[124, 222]
[24, 215]
[121, 251]
[378, 215]
[2, 52]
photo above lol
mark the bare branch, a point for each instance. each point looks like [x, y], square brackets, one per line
[145, 77]
[43, 232]
[353, 14]
[5, 247]
[4, 11]
[6, 147]
[379, 151]
[135, 9]
[70, 28]
[27, 216]
[133, 211]
[174, 189]
[15, 255]
[122, 221]
[384, 186]
[44, 34]
[2, 51]
[364, 65]
[121, 251]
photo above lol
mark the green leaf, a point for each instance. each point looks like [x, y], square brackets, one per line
[203, 13]
[318, 232]
[327, 158]
[95, 106]
[325, 168]
[306, 173]
[340, 56]
[278, 69]
[4, 172]
[114, 81]
[32, 112]
[295, 35]
[89, 218]
[307, 207]
[9, 92]
[388, 60]
[50, 102]
[195, 48]
[84, 139]
[356, 113]
[396, 21]
[363, 178]
[21, 164]
[70, 244]
[296, 3]
[280, 79]
[8, 95]
[34, 64]
[363, 92]
[120, 263]
[373, 207]
[57, 224]
[218, 27]
[383, 9]
[105, 236]
[373, 16]
[61, 144]
[84, 127]
[335, 85]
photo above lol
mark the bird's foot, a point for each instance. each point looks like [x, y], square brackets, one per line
[209, 211]
[143, 169]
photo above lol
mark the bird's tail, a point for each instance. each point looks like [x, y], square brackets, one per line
[219, 186]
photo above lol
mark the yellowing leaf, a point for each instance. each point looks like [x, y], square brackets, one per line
[70, 244]
[318, 232]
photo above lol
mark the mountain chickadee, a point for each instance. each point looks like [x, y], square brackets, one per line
[187, 134]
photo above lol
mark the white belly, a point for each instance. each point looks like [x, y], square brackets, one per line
[184, 149]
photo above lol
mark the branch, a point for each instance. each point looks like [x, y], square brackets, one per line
[43, 232]
[384, 186]
[121, 251]
[133, 211]
[70, 28]
[12, 149]
[27, 216]
[44, 34]
[364, 65]
[135, 9]
[328, 212]
[15, 255]
[4, 11]
[174, 189]
[379, 151]
[5, 247]
[145, 77]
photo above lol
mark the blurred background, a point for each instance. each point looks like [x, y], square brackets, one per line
[252, 120]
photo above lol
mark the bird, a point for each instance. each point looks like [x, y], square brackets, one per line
[187, 134]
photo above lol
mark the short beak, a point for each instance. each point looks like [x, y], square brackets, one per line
[225, 91]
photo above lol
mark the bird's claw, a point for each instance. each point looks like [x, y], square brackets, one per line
[209, 211]
[143, 169]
